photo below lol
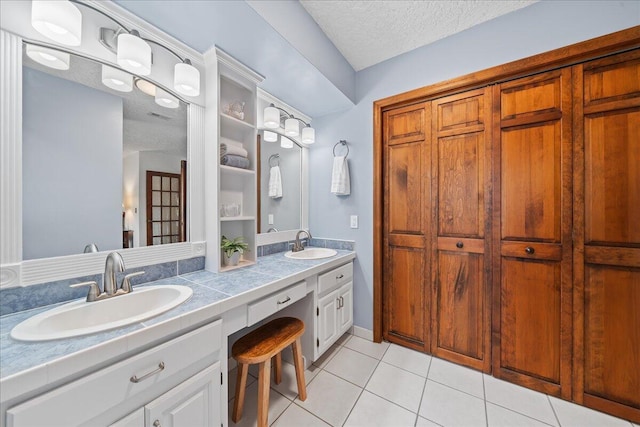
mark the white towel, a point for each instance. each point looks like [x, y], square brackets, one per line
[340, 182]
[275, 183]
[228, 146]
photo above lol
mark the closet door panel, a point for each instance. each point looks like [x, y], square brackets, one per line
[530, 321]
[460, 161]
[407, 124]
[405, 188]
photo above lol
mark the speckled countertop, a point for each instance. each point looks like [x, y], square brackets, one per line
[26, 366]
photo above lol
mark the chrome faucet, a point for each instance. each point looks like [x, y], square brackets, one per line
[114, 261]
[297, 245]
[114, 264]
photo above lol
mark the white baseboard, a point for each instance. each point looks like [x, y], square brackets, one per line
[367, 334]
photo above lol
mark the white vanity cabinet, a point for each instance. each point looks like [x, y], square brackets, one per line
[335, 306]
[177, 383]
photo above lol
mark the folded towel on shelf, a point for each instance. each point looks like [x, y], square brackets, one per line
[340, 182]
[234, 161]
[236, 149]
[275, 183]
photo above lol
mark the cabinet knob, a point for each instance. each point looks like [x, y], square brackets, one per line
[459, 245]
[529, 250]
[156, 423]
[340, 276]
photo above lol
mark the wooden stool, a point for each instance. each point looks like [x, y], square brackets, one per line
[259, 346]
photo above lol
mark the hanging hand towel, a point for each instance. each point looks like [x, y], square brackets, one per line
[340, 182]
[275, 183]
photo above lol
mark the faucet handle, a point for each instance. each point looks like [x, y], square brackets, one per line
[94, 291]
[126, 282]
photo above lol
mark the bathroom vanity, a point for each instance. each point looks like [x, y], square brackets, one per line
[172, 369]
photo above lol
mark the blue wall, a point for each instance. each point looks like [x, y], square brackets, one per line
[541, 27]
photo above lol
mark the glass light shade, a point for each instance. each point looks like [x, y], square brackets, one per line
[50, 57]
[270, 136]
[186, 79]
[134, 54]
[291, 127]
[60, 21]
[271, 118]
[308, 135]
[145, 86]
[286, 142]
[165, 99]
[117, 79]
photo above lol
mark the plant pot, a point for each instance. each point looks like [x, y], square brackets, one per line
[231, 260]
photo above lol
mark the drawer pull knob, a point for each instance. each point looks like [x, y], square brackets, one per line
[156, 423]
[135, 379]
[286, 300]
[529, 250]
[340, 276]
[459, 245]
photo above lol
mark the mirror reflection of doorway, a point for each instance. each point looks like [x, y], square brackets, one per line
[166, 207]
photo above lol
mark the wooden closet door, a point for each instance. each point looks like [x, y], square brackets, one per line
[532, 230]
[460, 168]
[607, 256]
[405, 288]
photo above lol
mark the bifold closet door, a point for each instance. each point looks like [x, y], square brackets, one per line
[607, 212]
[532, 232]
[461, 167]
[405, 289]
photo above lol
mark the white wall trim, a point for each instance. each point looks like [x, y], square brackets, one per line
[195, 173]
[364, 333]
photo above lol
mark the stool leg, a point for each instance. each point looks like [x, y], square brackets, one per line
[264, 377]
[241, 384]
[278, 368]
[297, 359]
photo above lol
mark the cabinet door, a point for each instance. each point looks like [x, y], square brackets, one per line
[607, 212]
[406, 273]
[327, 320]
[460, 166]
[195, 402]
[345, 312]
[532, 280]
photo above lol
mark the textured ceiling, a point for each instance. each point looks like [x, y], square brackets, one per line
[368, 32]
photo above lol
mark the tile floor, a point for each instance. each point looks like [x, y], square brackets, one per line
[360, 383]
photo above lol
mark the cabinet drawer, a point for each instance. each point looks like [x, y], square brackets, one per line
[269, 305]
[334, 278]
[156, 370]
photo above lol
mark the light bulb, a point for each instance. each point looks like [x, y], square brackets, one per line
[271, 118]
[291, 127]
[134, 54]
[308, 135]
[186, 79]
[49, 57]
[270, 136]
[117, 79]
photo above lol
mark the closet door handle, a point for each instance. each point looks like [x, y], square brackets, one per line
[529, 250]
[459, 245]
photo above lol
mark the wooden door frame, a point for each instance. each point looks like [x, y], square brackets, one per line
[565, 56]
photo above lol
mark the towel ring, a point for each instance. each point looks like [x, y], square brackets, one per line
[275, 157]
[341, 142]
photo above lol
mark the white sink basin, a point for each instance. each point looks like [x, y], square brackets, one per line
[82, 318]
[311, 253]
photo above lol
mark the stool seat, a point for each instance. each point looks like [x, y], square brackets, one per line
[268, 340]
[259, 347]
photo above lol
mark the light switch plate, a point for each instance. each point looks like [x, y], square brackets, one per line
[270, 219]
[354, 221]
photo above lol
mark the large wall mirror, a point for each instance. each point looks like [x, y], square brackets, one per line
[280, 183]
[102, 168]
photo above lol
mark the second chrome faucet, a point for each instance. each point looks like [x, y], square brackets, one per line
[113, 264]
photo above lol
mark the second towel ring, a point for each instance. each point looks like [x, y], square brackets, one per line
[341, 142]
[275, 157]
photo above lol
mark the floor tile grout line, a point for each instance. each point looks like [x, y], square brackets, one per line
[424, 388]
[520, 413]
[456, 389]
[554, 411]
[484, 394]
[285, 410]
[309, 412]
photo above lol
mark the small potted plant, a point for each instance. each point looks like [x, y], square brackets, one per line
[232, 249]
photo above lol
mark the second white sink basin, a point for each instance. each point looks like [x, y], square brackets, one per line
[311, 253]
[83, 318]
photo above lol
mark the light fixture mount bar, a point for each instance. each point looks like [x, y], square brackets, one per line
[288, 114]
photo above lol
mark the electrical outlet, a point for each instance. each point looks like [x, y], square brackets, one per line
[270, 219]
[354, 221]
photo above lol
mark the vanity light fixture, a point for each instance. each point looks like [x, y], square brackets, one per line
[286, 142]
[49, 57]
[165, 99]
[272, 117]
[61, 21]
[117, 79]
[145, 86]
[270, 136]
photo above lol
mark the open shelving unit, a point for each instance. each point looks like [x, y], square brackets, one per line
[238, 85]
